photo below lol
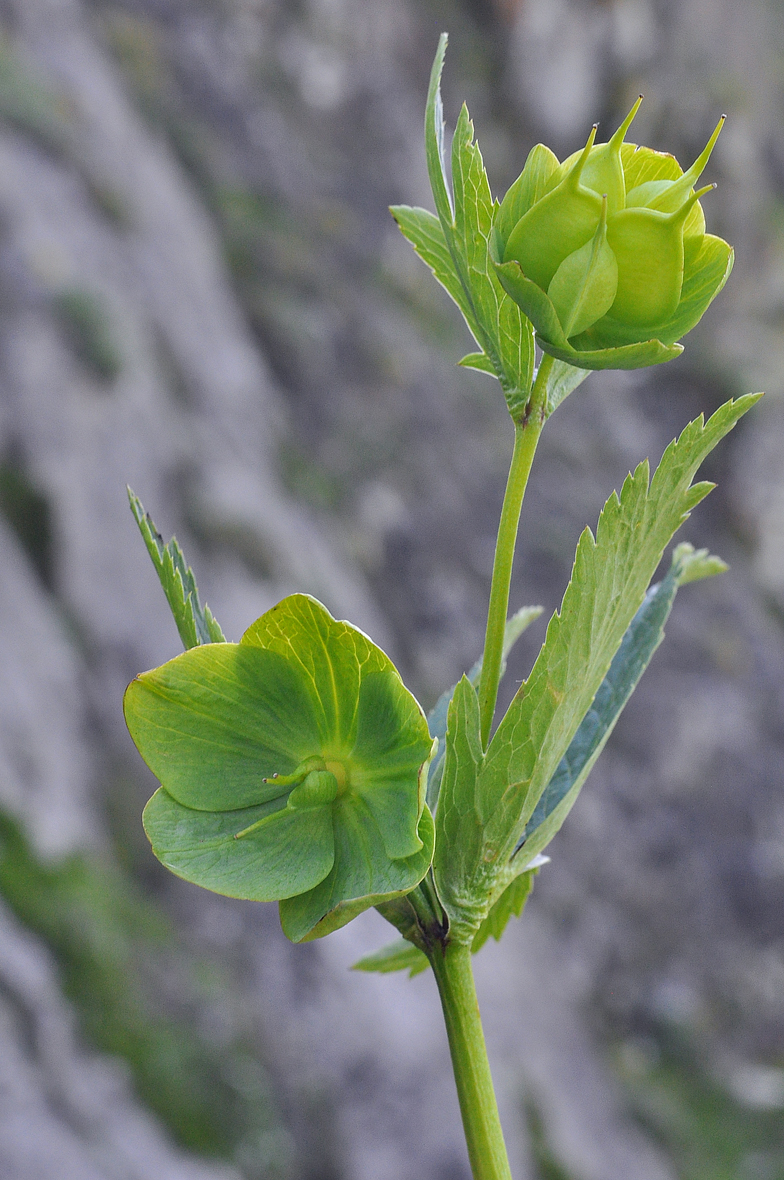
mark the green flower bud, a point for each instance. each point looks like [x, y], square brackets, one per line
[607, 252]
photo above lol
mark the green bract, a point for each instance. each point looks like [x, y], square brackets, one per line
[607, 252]
[292, 767]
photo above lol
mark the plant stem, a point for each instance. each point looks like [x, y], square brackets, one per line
[484, 1137]
[527, 433]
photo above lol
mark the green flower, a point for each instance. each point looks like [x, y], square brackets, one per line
[607, 252]
[292, 767]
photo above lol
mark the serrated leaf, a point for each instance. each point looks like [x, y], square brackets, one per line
[399, 955]
[505, 334]
[607, 588]
[425, 233]
[516, 339]
[516, 624]
[307, 724]
[196, 624]
[642, 638]
[608, 585]
[499, 327]
[479, 361]
[696, 564]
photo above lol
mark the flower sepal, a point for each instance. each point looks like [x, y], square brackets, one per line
[551, 338]
[293, 768]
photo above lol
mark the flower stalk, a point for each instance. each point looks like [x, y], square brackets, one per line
[527, 432]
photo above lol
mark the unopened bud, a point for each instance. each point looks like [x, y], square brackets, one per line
[610, 273]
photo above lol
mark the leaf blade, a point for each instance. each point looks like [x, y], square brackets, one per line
[608, 584]
[426, 234]
[516, 624]
[196, 624]
[399, 955]
[642, 638]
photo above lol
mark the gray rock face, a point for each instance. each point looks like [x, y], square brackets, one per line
[201, 295]
[64, 1111]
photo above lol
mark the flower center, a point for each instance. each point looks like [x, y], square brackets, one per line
[341, 774]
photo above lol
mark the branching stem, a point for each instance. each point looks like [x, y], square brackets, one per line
[527, 432]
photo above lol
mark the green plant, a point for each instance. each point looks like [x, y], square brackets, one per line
[295, 766]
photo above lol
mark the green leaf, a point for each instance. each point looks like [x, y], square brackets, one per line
[195, 624]
[505, 334]
[434, 137]
[425, 233]
[516, 340]
[460, 256]
[696, 564]
[479, 361]
[509, 905]
[307, 724]
[642, 638]
[399, 955]
[461, 818]
[562, 381]
[482, 819]
[608, 585]
[516, 624]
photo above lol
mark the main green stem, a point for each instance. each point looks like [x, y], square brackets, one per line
[484, 1137]
[527, 432]
[451, 962]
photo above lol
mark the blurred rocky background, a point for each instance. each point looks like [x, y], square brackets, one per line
[202, 294]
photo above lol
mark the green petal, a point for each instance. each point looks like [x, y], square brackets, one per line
[641, 164]
[212, 723]
[530, 186]
[533, 300]
[629, 356]
[330, 656]
[302, 728]
[288, 853]
[387, 759]
[362, 876]
[704, 276]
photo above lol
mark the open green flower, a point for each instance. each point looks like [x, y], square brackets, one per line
[292, 767]
[607, 252]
